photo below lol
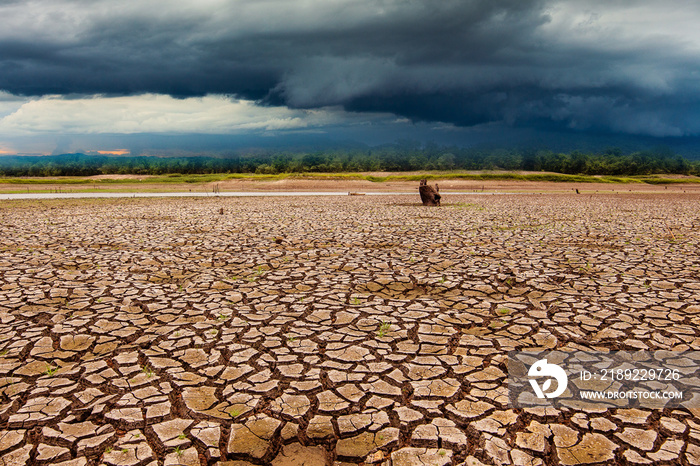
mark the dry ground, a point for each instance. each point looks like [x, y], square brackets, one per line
[346, 330]
[310, 184]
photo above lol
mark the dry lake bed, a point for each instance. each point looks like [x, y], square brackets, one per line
[335, 330]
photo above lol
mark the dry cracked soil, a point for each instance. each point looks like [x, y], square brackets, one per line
[334, 331]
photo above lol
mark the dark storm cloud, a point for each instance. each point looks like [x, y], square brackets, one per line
[603, 66]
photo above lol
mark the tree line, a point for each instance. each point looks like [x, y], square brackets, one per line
[402, 156]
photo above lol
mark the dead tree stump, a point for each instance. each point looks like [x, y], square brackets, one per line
[428, 194]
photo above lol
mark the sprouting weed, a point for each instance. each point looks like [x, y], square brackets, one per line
[504, 311]
[147, 370]
[178, 450]
[221, 317]
[108, 450]
[443, 280]
[291, 339]
[383, 329]
[125, 450]
[356, 301]
[50, 371]
[182, 436]
[234, 413]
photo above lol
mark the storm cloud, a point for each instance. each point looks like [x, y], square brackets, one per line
[611, 66]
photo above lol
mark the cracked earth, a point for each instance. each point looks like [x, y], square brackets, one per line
[334, 331]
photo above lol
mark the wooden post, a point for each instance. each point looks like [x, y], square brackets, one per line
[428, 194]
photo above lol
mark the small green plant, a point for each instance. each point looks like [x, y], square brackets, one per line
[137, 435]
[125, 451]
[147, 370]
[179, 288]
[178, 450]
[221, 317]
[291, 339]
[177, 334]
[234, 277]
[383, 329]
[182, 436]
[234, 413]
[356, 301]
[443, 280]
[259, 271]
[99, 300]
[50, 371]
[3, 352]
[442, 453]
[503, 311]
[108, 450]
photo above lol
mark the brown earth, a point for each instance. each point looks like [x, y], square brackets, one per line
[363, 186]
[339, 331]
[355, 186]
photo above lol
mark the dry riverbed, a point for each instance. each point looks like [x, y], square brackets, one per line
[334, 330]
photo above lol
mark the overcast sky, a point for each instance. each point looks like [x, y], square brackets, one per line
[102, 74]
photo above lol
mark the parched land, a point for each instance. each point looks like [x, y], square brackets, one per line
[335, 330]
[368, 182]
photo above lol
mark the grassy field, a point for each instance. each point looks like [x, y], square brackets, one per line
[129, 183]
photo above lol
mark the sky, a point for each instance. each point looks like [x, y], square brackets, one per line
[149, 76]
